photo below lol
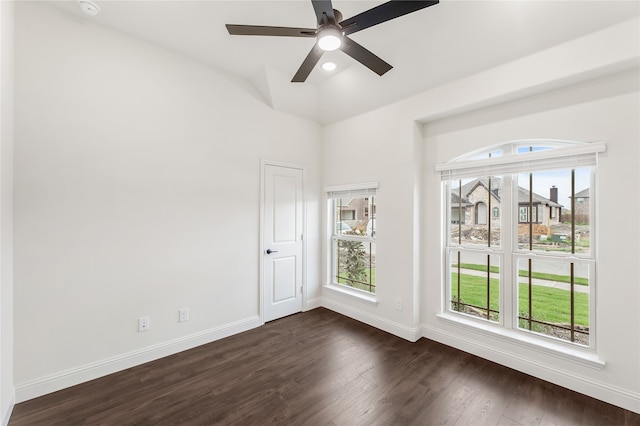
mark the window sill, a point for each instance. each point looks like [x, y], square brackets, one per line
[556, 349]
[359, 295]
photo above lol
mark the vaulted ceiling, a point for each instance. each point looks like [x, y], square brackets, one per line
[427, 48]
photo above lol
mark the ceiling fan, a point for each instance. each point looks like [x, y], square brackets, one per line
[332, 32]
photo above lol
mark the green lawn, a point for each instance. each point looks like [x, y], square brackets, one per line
[370, 273]
[473, 290]
[548, 304]
[554, 277]
[476, 267]
[525, 273]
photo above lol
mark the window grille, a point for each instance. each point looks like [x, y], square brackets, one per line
[539, 254]
[353, 230]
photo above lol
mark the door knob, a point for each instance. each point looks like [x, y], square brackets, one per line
[269, 251]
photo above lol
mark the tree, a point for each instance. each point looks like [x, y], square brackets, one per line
[353, 261]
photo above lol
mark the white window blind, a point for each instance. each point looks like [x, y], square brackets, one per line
[570, 157]
[352, 191]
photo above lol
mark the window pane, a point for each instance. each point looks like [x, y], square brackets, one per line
[474, 206]
[483, 155]
[356, 264]
[355, 216]
[582, 211]
[545, 302]
[475, 282]
[544, 211]
[527, 149]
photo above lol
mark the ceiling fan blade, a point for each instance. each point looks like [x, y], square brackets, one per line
[322, 8]
[385, 12]
[364, 56]
[307, 65]
[258, 30]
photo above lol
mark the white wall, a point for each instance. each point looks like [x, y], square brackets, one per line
[136, 193]
[7, 394]
[137, 187]
[384, 154]
[604, 110]
[586, 89]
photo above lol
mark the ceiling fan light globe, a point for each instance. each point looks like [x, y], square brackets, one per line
[329, 66]
[329, 39]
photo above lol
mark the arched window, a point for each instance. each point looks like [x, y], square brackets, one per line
[538, 255]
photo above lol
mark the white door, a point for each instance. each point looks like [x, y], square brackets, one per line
[282, 241]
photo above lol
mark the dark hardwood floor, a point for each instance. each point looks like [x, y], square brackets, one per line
[318, 368]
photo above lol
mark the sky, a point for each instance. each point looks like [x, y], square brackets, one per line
[543, 181]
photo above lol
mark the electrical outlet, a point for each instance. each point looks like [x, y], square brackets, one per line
[183, 315]
[144, 324]
[398, 304]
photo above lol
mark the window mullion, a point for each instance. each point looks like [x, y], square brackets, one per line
[509, 222]
[573, 252]
[592, 264]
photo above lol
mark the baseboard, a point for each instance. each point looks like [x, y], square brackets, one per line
[6, 415]
[402, 331]
[605, 392]
[312, 304]
[64, 379]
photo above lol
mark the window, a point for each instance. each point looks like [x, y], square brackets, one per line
[530, 269]
[474, 248]
[346, 214]
[523, 214]
[353, 245]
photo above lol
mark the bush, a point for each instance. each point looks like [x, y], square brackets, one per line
[352, 257]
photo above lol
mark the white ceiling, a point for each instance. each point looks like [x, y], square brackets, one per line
[427, 48]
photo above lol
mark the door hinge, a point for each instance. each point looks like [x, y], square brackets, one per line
[301, 237]
[300, 289]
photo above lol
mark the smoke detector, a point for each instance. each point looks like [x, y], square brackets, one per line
[89, 7]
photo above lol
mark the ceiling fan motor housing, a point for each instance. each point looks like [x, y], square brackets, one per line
[337, 16]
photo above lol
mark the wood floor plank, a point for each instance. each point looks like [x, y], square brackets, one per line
[448, 406]
[386, 405]
[356, 392]
[506, 421]
[527, 405]
[318, 368]
[495, 386]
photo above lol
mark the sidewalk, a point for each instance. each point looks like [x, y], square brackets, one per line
[535, 281]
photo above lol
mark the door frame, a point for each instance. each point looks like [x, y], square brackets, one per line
[263, 164]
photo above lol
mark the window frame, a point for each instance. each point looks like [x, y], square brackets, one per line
[536, 214]
[590, 259]
[495, 250]
[508, 278]
[368, 191]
